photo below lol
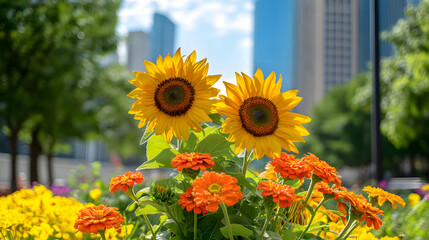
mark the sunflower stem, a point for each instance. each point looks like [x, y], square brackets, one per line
[246, 162]
[195, 226]
[267, 220]
[150, 226]
[228, 223]
[101, 232]
[312, 218]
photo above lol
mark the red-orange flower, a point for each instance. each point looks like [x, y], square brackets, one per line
[283, 194]
[213, 188]
[187, 201]
[322, 169]
[362, 208]
[289, 167]
[194, 161]
[380, 196]
[126, 180]
[95, 218]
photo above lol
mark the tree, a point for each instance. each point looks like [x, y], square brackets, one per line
[48, 50]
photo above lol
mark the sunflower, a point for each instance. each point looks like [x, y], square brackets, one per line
[174, 96]
[258, 115]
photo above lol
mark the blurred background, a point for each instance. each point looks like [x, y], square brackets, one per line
[65, 66]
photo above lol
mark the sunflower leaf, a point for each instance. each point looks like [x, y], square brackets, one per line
[216, 118]
[162, 160]
[146, 136]
[216, 145]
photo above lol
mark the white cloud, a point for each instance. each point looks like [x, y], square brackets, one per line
[223, 16]
[246, 43]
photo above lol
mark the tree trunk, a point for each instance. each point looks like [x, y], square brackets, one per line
[413, 172]
[49, 156]
[13, 144]
[35, 151]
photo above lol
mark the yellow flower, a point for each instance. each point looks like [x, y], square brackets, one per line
[413, 199]
[174, 96]
[380, 196]
[95, 193]
[258, 115]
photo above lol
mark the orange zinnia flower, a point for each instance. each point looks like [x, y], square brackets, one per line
[194, 161]
[289, 167]
[322, 169]
[361, 207]
[269, 172]
[380, 196]
[187, 201]
[98, 218]
[126, 180]
[212, 188]
[283, 194]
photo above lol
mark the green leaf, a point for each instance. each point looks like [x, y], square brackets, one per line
[147, 210]
[292, 182]
[243, 181]
[149, 207]
[248, 210]
[216, 118]
[131, 207]
[216, 145]
[288, 234]
[146, 136]
[156, 145]
[189, 144]
[210, 226]
[162, 160]
[237, 230]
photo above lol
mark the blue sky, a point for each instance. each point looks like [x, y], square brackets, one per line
[219, 30]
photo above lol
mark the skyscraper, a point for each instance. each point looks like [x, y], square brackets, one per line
[162, 37]
[327, 47]
[138, 50]
[274, 41]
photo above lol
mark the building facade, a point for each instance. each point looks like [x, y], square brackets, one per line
[162, 37]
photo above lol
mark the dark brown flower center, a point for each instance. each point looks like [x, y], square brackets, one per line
[259, 116]
[174, 96]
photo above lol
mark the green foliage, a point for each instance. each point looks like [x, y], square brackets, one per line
[405, 83]
[410, 222]
[340, 129]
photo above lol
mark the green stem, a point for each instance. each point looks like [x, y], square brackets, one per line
[314, 179]
[276, 218]
[354, 225]
[150, 226]
[245, 162]
[195, 226]
[131, 194]
[267, 220]
[228, 223]
[174, 219]
[312, 218]
[350, 221]
[102, 234]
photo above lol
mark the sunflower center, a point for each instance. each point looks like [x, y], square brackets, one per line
[99, 214]
[174, 96]
[259, 116]
[215, 188]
